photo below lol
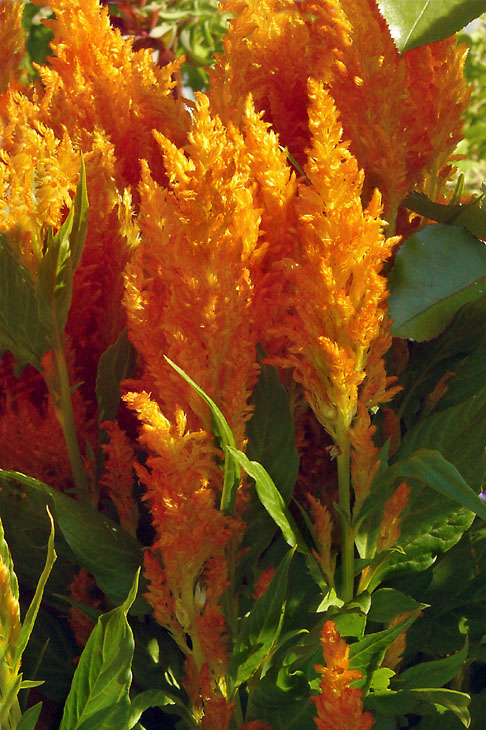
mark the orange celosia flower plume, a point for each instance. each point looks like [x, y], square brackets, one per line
[11, 43]
[189, 294]
[339, 304]
[339, 706]
[101, 99]
[273, 46]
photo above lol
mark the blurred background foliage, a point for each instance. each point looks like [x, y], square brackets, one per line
[474, 144]
[170, 29]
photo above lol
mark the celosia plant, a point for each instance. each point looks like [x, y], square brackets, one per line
[208, 316]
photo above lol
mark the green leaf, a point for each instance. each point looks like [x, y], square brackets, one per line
[28, 721]
[223, 432]
[271, 432]
[61, 256]
[429, 466]
[434, 674]
[271, 443]
[414, 23]
[51, 654]
[366, 655]
[472, 215]
[281, 699]
[29, 620]
[459, 432]
[436, 272]
[99, 696]
[157, 698]
[272, 500]
[419, 702]
[115, 364]
[22, 329]
[386, 603]
[260, 629]
[105, 549]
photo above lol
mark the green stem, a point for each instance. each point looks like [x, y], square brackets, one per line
[66, 419]
[347, 535]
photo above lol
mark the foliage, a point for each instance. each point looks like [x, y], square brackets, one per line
[254, 409]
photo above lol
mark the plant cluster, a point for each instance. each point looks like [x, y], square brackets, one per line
[242, 383]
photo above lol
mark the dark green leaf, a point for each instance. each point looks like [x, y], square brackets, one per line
[430, 467]
[107, 551]
[281, 699]
[157, 698]
[434, 674]
[271, 443]
[28, 721]
[99, 696]
[115, 364]
[413, 23]
[386, 603]
[468, 381]
[472, 215]
[436, 272]
[53, 642]
[419, 702]
[366, 655]
[22, 328]
[260, 630]
[459, 432]
[223, 432]
[271, 432]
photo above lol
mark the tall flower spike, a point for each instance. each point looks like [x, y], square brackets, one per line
[274, 46]
[339, 706]
[12, 41]
[340, 297]
[95, 81]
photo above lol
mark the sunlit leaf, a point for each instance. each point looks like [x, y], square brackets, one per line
[99, 697]
[260, 629]
[416, 22]
[436, 272]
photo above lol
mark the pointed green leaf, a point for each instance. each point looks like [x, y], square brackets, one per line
[459, 432]
[436, 673]
[99, 696]
[413, 23]
[472, 215]
[436, 272]
[271, 432]
[260, 630]
[29, 620]
[22, 328]
[61, 256]
[28, 721]
[223, 432]
[386, 603]
[366, 655]
[419, 702]
[281, 699]
[115, 364]
[105, 549]
[271, 443]
[272, 500]
[429, 466]
[157, 698]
